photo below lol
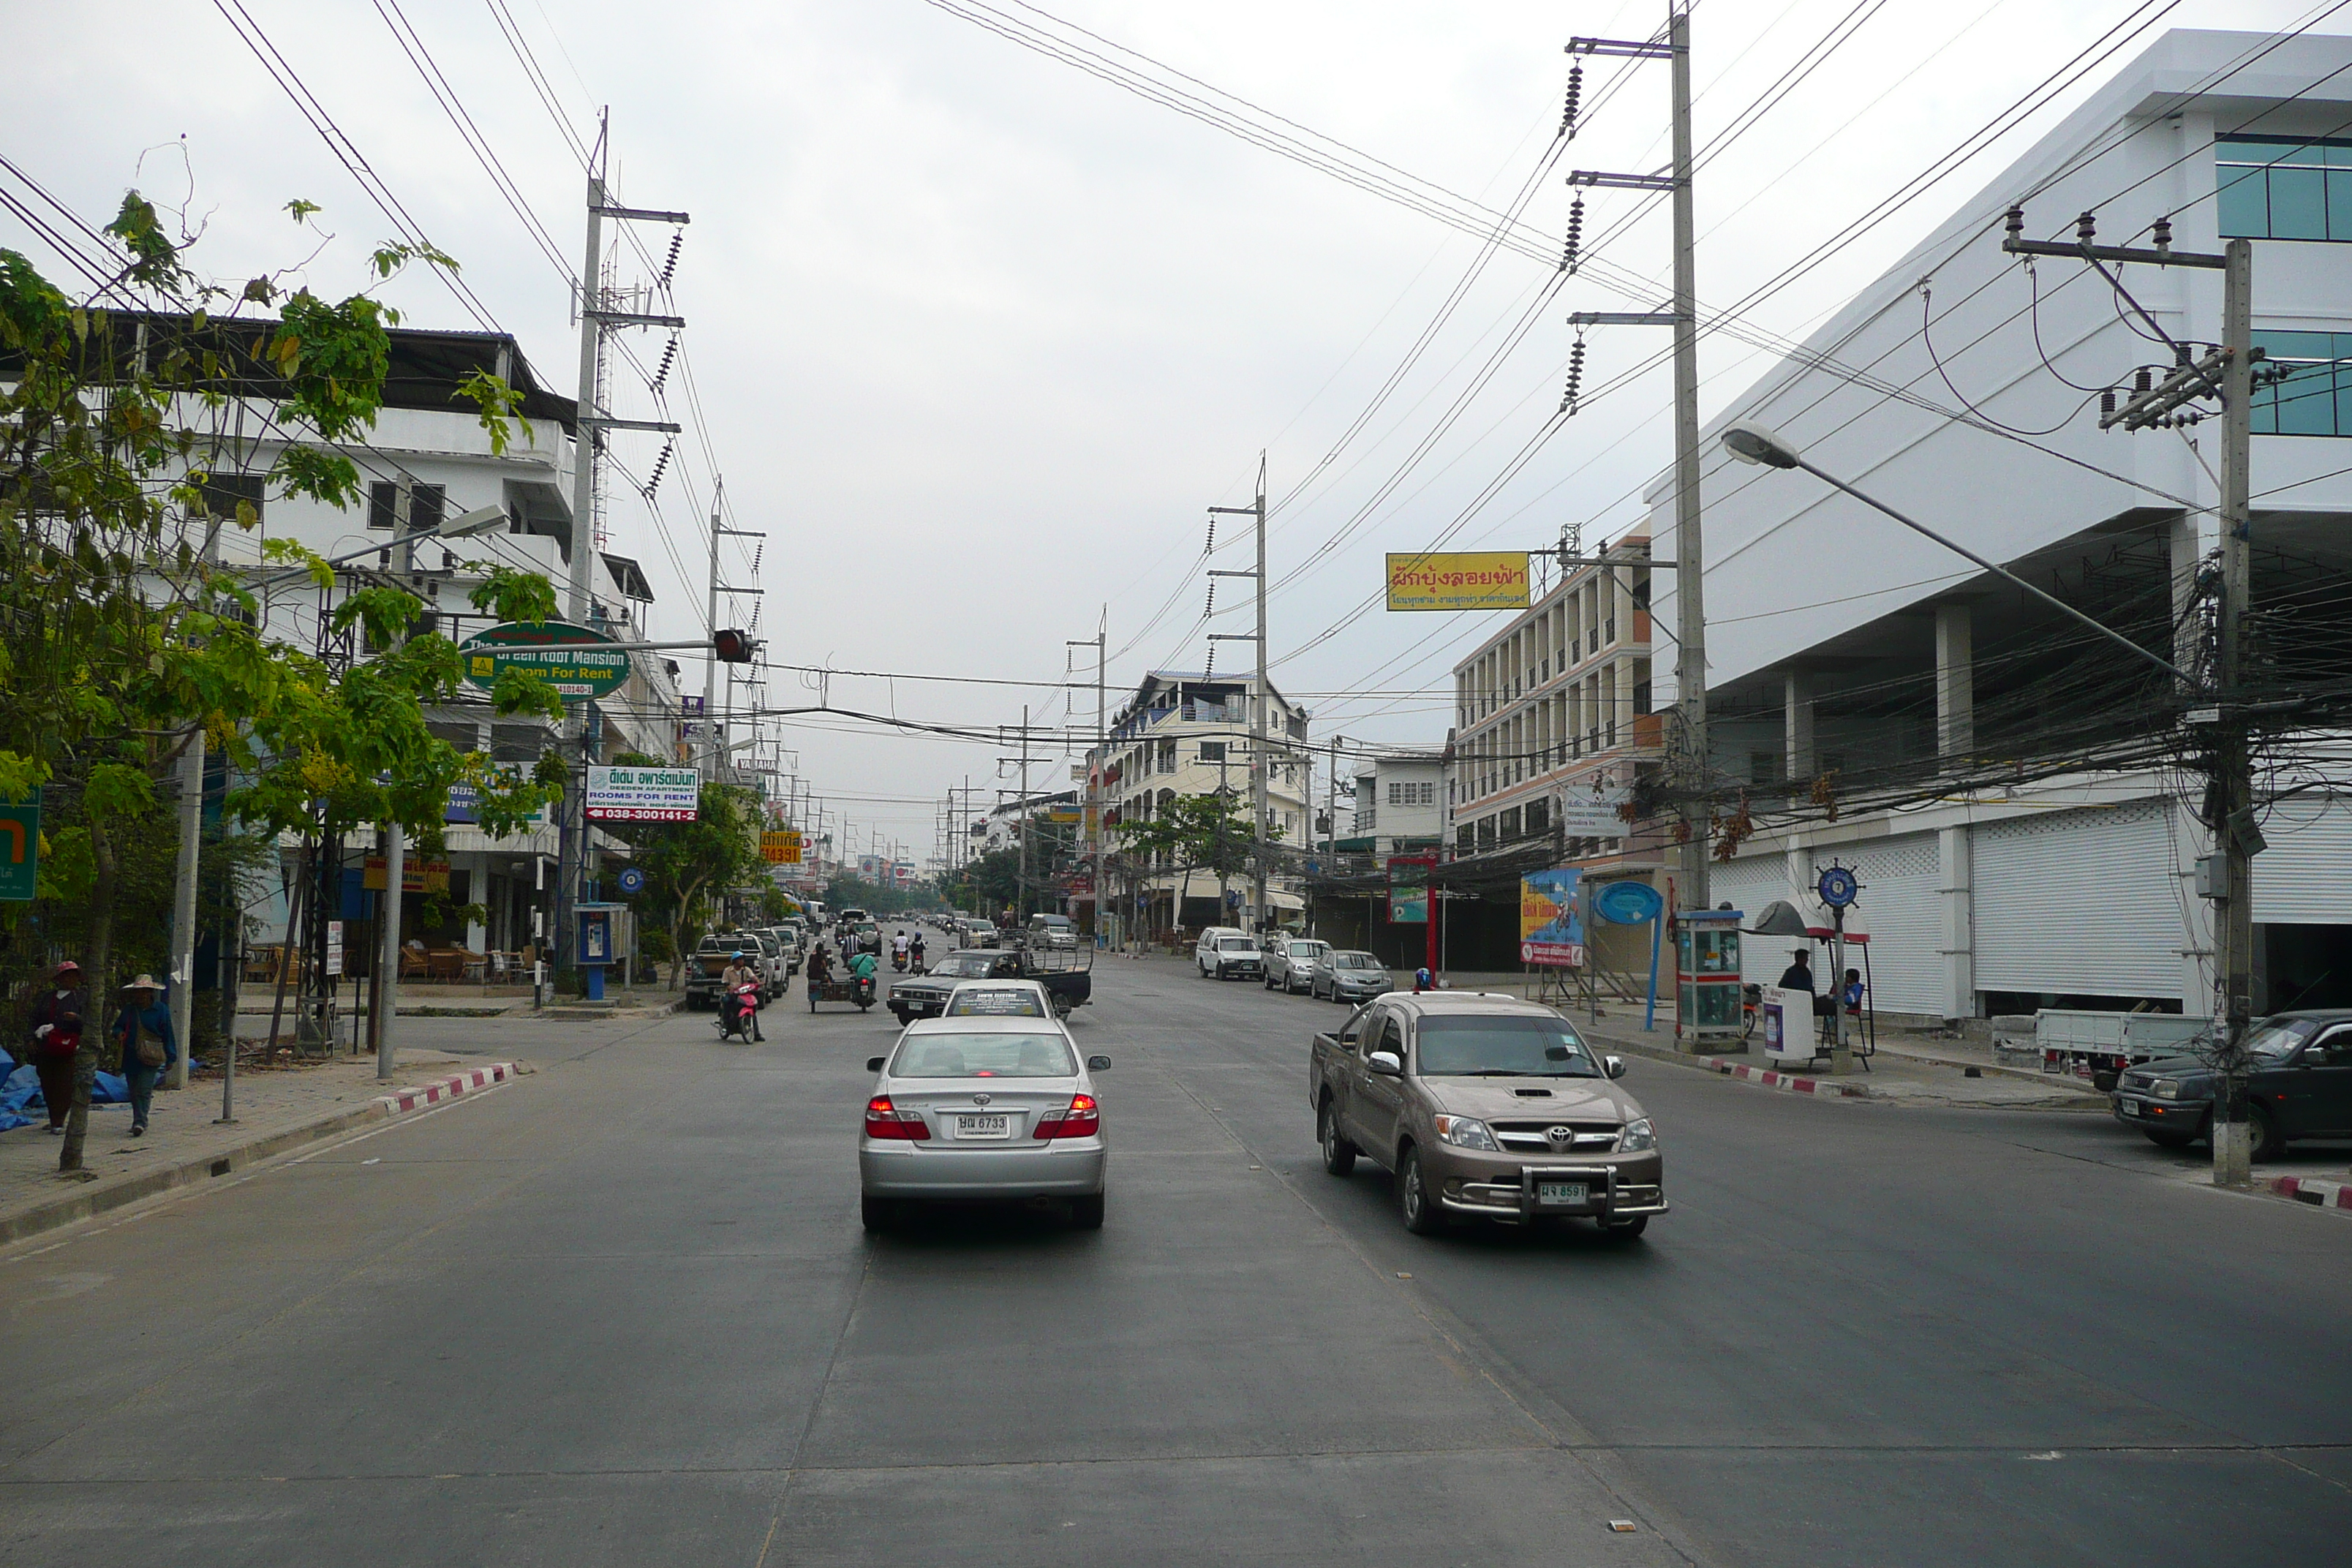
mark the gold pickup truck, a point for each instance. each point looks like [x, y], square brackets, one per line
[1483, 1107]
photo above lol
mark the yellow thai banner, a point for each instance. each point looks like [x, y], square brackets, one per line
[781, 848]
[1480, 580]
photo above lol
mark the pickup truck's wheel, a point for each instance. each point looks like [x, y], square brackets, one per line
[1628, 1228]
[1338, 1155]
[1416, 1204]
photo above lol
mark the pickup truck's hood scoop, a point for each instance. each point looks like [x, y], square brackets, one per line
[1592, 1099]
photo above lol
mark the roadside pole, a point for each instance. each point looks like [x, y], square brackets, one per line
[183, 974]
[388, 983]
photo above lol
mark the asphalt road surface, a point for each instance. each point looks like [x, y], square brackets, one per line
[623, 1313]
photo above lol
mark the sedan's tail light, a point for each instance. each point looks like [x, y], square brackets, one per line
[1079, 1119]
[884, 1120]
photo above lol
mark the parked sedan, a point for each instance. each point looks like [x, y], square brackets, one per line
[2301, 1086]
[979, 1110]
[1349, 977]
[1290, 960]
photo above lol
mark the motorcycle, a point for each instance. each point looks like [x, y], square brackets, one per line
[736, 1010]
[898, 961]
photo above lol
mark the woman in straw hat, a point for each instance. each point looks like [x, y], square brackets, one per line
[144, 1028]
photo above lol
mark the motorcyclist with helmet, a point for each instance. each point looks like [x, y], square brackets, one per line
[732, 983]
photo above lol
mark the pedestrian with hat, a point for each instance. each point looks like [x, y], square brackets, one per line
[56, 1036]
[144, 1029]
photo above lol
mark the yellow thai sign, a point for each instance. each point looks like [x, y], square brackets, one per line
[781, 848]
[1479, 580]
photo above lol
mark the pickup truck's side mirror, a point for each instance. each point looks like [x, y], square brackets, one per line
[1388, 1064]
[1098, 1064]
[1613, 1066]
[874, 1064]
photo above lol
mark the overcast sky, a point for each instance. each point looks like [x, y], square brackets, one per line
[978, 337]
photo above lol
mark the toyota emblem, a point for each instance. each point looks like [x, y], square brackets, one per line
[980, 1100]
[1561, 1136]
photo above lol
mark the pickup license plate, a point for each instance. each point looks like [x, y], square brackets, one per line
[983, 1127]
[1560, 1192]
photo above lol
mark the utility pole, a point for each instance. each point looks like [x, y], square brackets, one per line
[1258, 702]
[1690, 610]
[1021, 806]
[1097, 762]
[2228, 373]
[597, 317]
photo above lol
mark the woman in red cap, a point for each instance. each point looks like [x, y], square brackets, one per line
[56, 1036]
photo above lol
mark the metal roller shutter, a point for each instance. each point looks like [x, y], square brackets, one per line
[2305, 878]
[2080, 903]
[1748, 886]
[1903, 911]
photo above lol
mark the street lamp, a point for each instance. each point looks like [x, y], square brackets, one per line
[1758, 444]
[481, 520]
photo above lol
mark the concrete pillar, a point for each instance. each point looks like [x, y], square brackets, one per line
[1956, 882]
[1955, 721]
[1796, 712]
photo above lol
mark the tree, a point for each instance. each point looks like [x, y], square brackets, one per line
[119, 641]
[688, 864]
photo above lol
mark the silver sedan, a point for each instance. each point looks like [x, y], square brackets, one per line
[973, 1109]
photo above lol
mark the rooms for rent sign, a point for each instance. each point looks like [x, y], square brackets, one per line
[643, 795]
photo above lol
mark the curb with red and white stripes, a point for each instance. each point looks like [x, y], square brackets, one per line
[2305, 1190]
[1772, 1079]
[439, 1090]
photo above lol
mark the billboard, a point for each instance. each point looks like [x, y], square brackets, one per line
[781, 848]
[1551, 935]
[1480, 580]
[1594, 812]
[577, 673]
[644, 794]
[1409, 890]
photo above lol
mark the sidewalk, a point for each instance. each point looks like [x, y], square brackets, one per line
[1908, 1069]
[277, 1108]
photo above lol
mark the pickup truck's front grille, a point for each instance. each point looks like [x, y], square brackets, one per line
[1525, 1136]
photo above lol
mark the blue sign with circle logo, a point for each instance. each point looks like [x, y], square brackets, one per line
[1627, 903]
[632, 880]
[1838, 887]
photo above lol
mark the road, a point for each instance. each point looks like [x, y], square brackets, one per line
[623, 1313]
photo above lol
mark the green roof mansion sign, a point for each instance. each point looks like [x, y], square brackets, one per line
[578, 674]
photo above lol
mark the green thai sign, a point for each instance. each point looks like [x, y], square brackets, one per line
[20, 849]
[578, 674]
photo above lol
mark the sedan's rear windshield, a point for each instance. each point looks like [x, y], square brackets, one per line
[996, 1002]
[984, 1056]
[1236, 944]
[1502, 1048]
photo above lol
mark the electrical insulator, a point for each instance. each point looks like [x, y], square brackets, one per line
[1575, 377]
[1575, 235]
[1575, 91]
[669, 267]
[2016, 223]
[2107, 401]
[2142, 378]
[2161, 230]
[2087, 228]
[2180, 355]
[670, 353]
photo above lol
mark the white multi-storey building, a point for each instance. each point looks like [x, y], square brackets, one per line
[1189, 735]
[1853, 661]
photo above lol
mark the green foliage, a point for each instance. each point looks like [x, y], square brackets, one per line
[500, 406]
[1195, 832]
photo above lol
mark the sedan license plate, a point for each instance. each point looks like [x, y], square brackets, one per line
[1560, 1192]
[983, 1127]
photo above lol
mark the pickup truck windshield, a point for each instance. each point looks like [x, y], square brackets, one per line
[1502, 1048]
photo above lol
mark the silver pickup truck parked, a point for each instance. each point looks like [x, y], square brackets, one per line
[1483, 1107]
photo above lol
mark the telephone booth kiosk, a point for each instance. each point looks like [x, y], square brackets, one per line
[1707, 996]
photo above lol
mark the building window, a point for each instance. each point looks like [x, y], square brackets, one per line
[2283, 188]
[1506, 825]
[1210, 752]
[1167, 756]
[2315, 397]
[223, 492]
[424, 503]
[1539, 817]
[1763, 767]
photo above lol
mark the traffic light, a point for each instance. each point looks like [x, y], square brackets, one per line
[732, 646]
